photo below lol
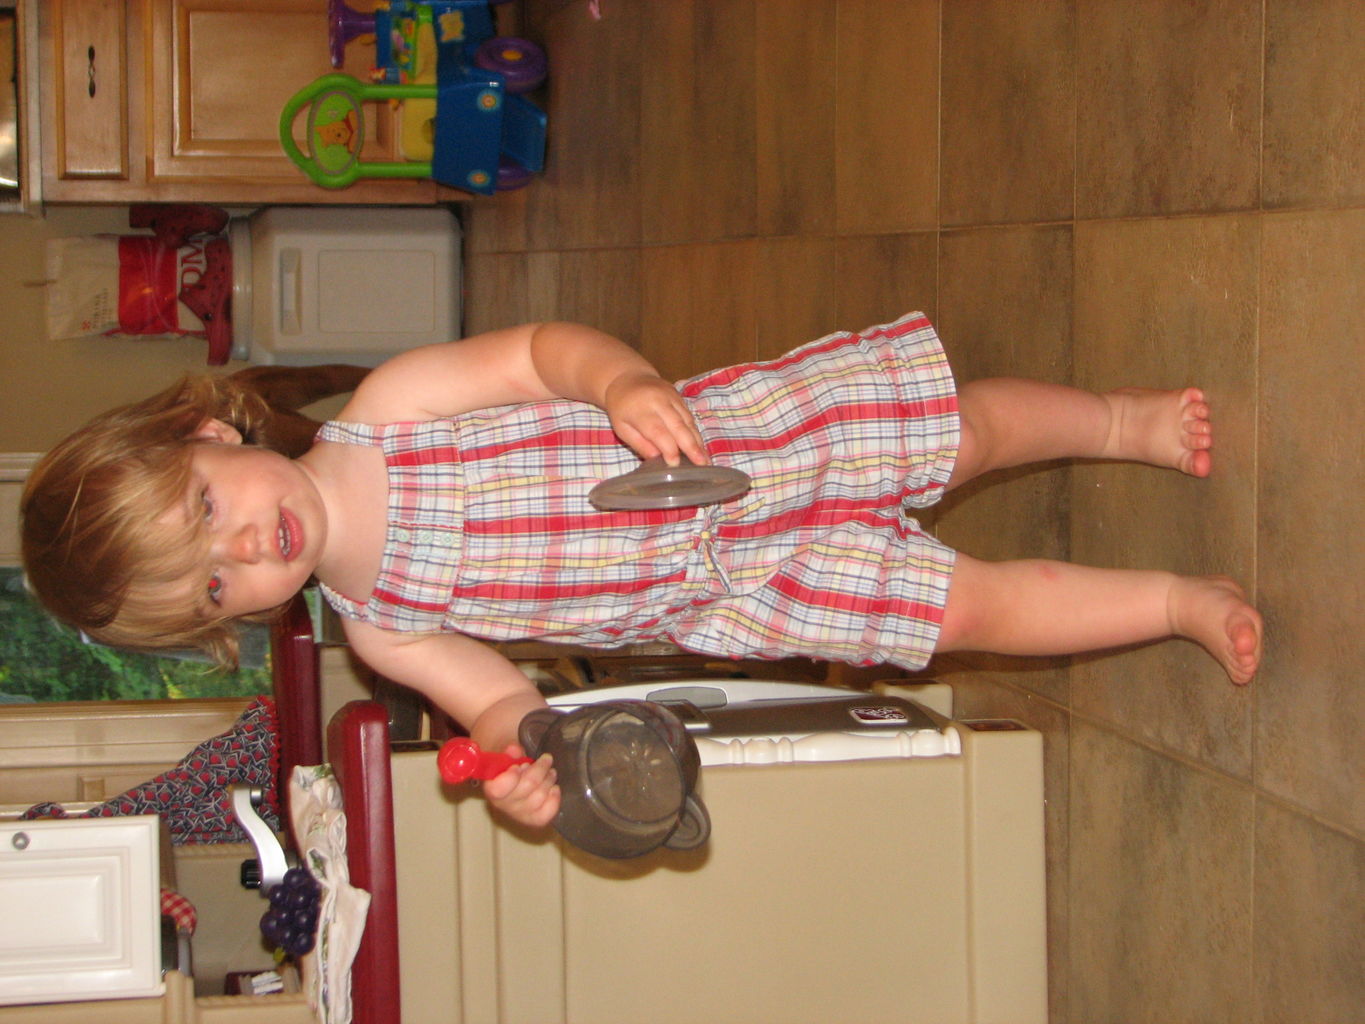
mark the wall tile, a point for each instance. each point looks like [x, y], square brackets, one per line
[886, 116]
[699, 306]
[1009, 112]
[599, 287]
[883, 277]
[1312, 551]
[1167, 303]
[697, 121]
[496, 224]
[1310, 920]
[795, 72]
[1314, 103]
[1005, 298]
[590, 193]
[496, 291]
[1168, 107]
[1160, 901]
[795, 292]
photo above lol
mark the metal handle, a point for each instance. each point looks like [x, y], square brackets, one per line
[269, 852]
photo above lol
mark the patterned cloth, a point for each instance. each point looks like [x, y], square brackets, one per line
[179, 910]
[319, 822]
[491, 533]
[193, 796]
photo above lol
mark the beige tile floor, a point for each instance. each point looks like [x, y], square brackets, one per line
[1088, 191]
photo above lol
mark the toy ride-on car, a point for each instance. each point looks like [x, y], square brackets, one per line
[463, 120]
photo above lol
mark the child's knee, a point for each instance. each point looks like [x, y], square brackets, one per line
[968, 447]
[962, 612]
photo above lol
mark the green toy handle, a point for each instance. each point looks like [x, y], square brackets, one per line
[356, 93]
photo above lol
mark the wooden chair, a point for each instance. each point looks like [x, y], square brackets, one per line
[296, 681]
[357, 746]
[358, 749]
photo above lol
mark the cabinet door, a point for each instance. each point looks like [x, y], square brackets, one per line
[82, 910]
[180, 100]
[219, 73]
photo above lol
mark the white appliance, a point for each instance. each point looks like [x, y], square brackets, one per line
[352, 285]
[886, 871]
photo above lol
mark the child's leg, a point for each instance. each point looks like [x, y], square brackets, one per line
[1038, 607]
[1009, 422]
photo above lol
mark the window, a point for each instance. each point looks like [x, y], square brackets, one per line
[41, 660]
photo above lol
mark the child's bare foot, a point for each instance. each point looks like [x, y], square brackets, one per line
[1214, 613]
[1162, 428]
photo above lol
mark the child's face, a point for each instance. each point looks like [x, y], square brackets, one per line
[265, 526]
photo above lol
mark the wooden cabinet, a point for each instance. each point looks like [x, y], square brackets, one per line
[179, 101]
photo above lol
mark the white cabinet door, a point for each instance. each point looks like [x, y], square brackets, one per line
[82, 909]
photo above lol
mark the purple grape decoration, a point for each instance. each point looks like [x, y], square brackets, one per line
[291, 922]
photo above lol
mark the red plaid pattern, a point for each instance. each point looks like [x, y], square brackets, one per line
[491, 533]
[179, 910]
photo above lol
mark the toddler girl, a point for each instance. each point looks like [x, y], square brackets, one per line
[447, 504]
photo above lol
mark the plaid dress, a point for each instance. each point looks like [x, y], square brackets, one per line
[491, 534]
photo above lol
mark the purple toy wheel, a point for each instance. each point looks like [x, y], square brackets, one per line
[343, 25]
[511, 176]
[521, 62]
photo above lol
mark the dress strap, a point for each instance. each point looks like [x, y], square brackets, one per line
[343, 605]
[364, 434]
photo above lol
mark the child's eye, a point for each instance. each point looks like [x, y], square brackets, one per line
[215, 589]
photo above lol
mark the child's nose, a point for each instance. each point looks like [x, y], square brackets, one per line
[243, 545]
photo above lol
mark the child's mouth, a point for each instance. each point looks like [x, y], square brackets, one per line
[287, 536]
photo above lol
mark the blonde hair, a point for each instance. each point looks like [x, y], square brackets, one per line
[95, 553]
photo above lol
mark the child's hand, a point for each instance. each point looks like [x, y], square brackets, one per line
[648, 414]
[526, 793]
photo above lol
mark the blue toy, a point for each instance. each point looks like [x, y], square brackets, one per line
[464, 121]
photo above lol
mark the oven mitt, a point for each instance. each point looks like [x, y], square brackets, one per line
[192, 798]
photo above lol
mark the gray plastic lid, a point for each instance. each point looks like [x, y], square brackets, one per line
[655, 484]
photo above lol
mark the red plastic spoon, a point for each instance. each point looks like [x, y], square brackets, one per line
[461, 759]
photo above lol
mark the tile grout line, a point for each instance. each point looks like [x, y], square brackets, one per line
[1253, 965]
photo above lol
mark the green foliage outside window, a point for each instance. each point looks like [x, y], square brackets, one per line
[41, 660]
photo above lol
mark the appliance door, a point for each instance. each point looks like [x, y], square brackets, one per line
[880, 889]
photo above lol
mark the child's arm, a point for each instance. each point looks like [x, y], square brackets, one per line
[481, 690]
[532, 363]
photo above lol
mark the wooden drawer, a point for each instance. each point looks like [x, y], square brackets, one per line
[89, 50]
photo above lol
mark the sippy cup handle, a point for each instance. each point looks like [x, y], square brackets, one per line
[461, 759]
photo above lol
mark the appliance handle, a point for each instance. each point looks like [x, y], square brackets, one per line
[291, 292]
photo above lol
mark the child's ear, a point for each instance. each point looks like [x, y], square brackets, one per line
[217, 430]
